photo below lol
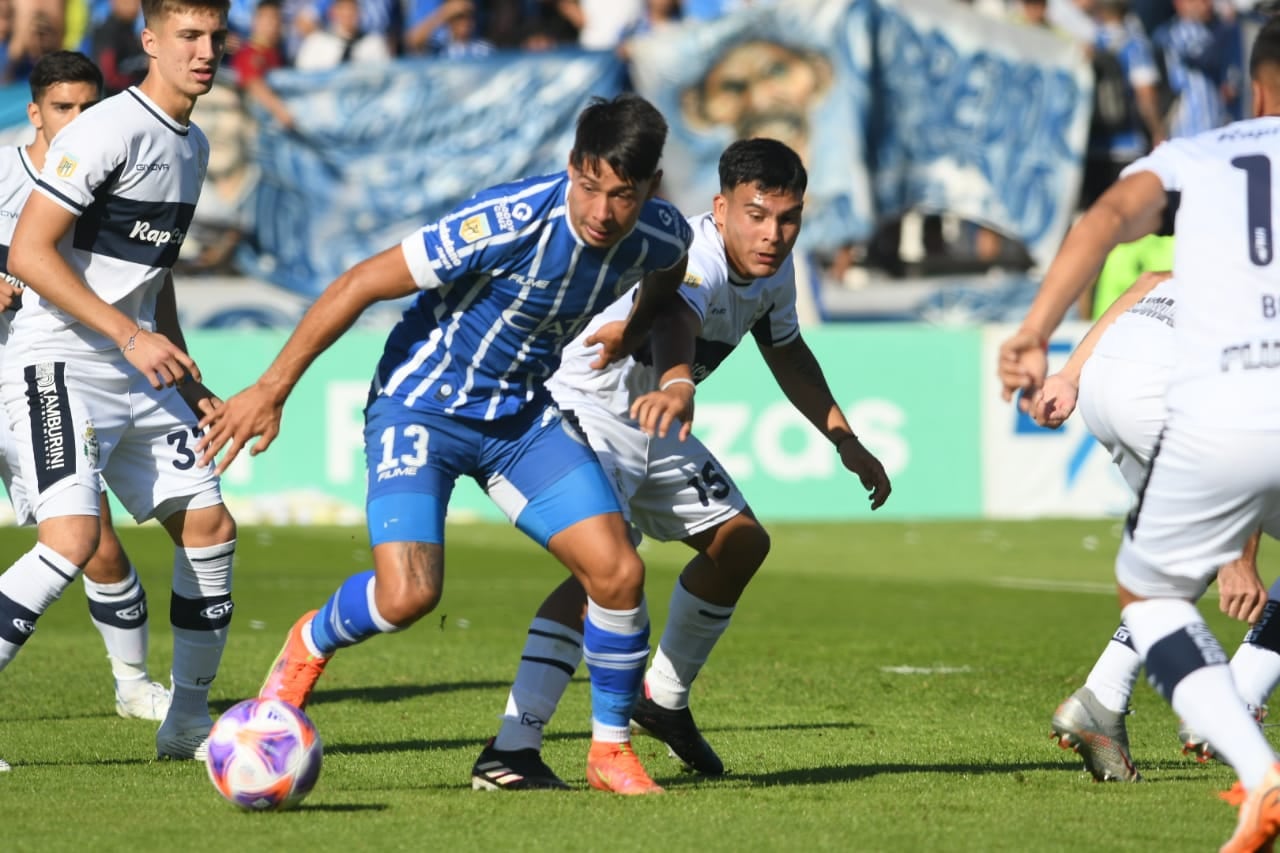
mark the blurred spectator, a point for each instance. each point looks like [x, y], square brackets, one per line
[6, 33]
[427, 24]
[342, 42]
[1034, 13]
[1126, 113]
[382, 18]
[601, 24]
[37, 30]
[259, 55]
[1201, 78]
[117, 48]
[460, 38]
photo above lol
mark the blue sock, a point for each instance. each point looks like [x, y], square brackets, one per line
[350, 616]
[616, 662]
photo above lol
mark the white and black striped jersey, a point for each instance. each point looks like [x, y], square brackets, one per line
[1222, 185]
[17, 177]
[132, 175]
[728, 307]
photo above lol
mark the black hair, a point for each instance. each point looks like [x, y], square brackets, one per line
[626, 132]
[771, 165]
[1266, 47]
[63, 66]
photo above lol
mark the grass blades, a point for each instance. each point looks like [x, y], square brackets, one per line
[882, 687]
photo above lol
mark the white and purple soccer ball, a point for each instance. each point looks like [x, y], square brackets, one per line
[264, 754]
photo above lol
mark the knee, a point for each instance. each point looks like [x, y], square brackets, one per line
[109, 563]
[410, 588]
[75, 539]
[742, 549]
[617, 582]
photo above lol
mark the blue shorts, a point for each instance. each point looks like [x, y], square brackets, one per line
[534, 465]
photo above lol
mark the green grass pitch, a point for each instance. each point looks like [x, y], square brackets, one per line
[882, 687]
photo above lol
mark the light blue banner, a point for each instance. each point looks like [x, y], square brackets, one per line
[382, 150]
[894, 104]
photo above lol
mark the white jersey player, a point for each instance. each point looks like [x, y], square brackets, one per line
[740, 280]
[64, 84]
[95, 356]
[1215, 476]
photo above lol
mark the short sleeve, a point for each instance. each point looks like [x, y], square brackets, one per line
[83, 157]
[469, 240]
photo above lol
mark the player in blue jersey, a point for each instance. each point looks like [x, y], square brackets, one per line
[506, 280]
[740, 282]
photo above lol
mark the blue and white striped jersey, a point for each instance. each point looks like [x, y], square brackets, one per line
[132, 175]
[507, 282]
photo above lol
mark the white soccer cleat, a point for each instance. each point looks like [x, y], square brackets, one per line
[4, 766]
[183, 739]
[142, 700]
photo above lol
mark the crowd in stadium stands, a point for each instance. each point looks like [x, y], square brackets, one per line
[1164, 68]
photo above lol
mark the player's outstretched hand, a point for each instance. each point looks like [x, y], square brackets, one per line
[1241, 593]
[658, 410]
[1054, 402]
[1022, 364]
[860, 461]
[612, 342]
[159, 359]
[253, 413]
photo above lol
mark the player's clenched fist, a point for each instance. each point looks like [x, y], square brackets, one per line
[1023, 363]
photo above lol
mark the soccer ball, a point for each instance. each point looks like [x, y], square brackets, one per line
[264, 754]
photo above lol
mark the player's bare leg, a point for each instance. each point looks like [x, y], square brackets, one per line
[118, 608]
[200, 615]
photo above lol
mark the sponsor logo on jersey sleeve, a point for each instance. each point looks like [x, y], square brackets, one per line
[474, 228]
[67, 166]
[693, 279]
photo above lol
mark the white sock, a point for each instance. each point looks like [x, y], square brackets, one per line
[1112, 678]
[1187, 666]
[1256, 664]
[693, 628]
[27, 589]
[551, 654]
[119, 612]
[200, 612]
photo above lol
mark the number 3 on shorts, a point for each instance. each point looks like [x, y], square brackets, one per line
[417, 436]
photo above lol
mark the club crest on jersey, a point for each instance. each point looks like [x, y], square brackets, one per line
[90, 444]
[67, 166]
[474, 228]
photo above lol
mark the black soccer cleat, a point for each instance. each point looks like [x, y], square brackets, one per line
[513, 770]
[679, 732]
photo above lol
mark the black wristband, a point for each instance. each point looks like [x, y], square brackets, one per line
[843, 440]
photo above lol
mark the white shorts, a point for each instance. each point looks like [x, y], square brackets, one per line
[669, 489]
[1122, 403]
[9, 469]
[77, 424]
[1208, 491]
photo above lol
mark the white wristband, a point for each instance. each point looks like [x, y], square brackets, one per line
[679, 380]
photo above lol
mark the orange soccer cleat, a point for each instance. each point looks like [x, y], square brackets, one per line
[295, 671]
[1259, 821]
[615, 767]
